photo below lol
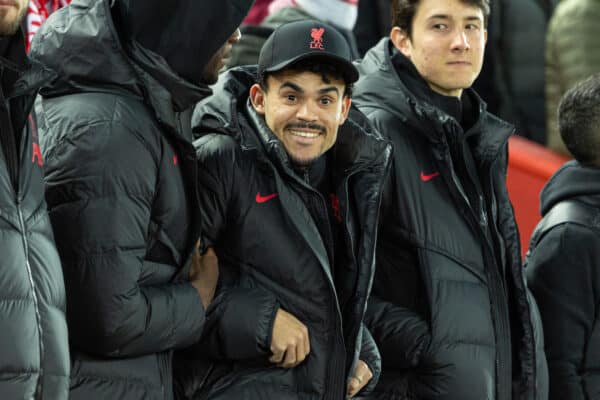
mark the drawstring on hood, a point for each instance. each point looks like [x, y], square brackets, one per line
[186, 33]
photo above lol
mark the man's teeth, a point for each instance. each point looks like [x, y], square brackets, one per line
[305, 134]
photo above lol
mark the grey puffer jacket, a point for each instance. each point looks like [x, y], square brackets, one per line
[34, 351]
[121, 187]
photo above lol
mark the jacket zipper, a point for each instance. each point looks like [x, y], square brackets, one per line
[336, 385]
[39, 388]
[338, 362]
[500, 312]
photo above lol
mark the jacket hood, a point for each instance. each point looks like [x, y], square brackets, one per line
[81, 43]
[382, 86]
[228, 112]
[572, 180]
[186, 33]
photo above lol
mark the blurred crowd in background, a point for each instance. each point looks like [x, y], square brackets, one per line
[536, 50]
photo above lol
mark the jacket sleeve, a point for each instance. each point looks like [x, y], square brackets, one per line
[100, 183]
[401, 334]
[240, 319]
[563, 276]
[369, 353]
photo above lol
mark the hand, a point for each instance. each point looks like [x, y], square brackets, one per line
[204, 274]
[360, 379]
[290, 343]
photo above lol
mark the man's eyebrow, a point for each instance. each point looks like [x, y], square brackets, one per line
[292, 86]
[439, 16]
[447, 17]
[329, 89]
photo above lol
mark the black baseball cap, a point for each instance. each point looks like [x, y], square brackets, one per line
[301, 40]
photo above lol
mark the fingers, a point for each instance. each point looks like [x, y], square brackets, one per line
[277, 356]
[290, 358]
[290, 342]
[362, 376]
[354, 385]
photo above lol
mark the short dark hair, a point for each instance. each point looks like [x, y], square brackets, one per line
[327, 70]
[404, 11]
[579, 120]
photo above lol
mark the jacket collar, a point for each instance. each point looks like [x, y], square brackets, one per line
[357, 145]
[166, 92]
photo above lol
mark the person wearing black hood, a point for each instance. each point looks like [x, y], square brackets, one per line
[34, 348]
[115, 130]
[563, 261]
[293, 179]
[450, 310]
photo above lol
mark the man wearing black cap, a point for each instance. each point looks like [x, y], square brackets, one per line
[115, 130]
[290, 207]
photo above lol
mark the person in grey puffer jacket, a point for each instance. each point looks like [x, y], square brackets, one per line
[115, 130]
[34, 350]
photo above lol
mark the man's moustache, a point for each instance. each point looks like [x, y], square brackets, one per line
[314, 127]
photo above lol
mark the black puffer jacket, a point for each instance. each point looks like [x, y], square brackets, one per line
[34, 351]
[449, 292]
[121, 188]
[564, 275]
[272, 255]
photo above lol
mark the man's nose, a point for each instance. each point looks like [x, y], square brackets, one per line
[460, 41]
[306, 112]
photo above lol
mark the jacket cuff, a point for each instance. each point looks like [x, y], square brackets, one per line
[188, 314]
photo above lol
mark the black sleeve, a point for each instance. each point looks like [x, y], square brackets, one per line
[563, 276]
[100, 206]
[401, 335]
[240, 320]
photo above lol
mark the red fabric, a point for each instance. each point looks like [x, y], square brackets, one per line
[38, 12]
[258, 12]
[529, 168]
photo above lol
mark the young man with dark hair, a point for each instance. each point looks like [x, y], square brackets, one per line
[292, 180]
[121, 185]
[34, 347]
[563, 262]
[450, 311]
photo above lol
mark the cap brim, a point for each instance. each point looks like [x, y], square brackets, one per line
[348, 70]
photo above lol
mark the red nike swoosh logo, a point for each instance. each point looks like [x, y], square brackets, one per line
[262, 199]
[427, 178]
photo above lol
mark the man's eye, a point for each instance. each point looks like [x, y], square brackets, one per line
[472, 27]
[440, 26]
[291, 97]
[326, 101]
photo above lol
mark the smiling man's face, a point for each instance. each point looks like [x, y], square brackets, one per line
[11, 15]
[446, 44]
[303, 111]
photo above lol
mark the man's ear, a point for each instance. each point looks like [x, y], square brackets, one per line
[257, 98]
[346, 104]
[401, 41]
